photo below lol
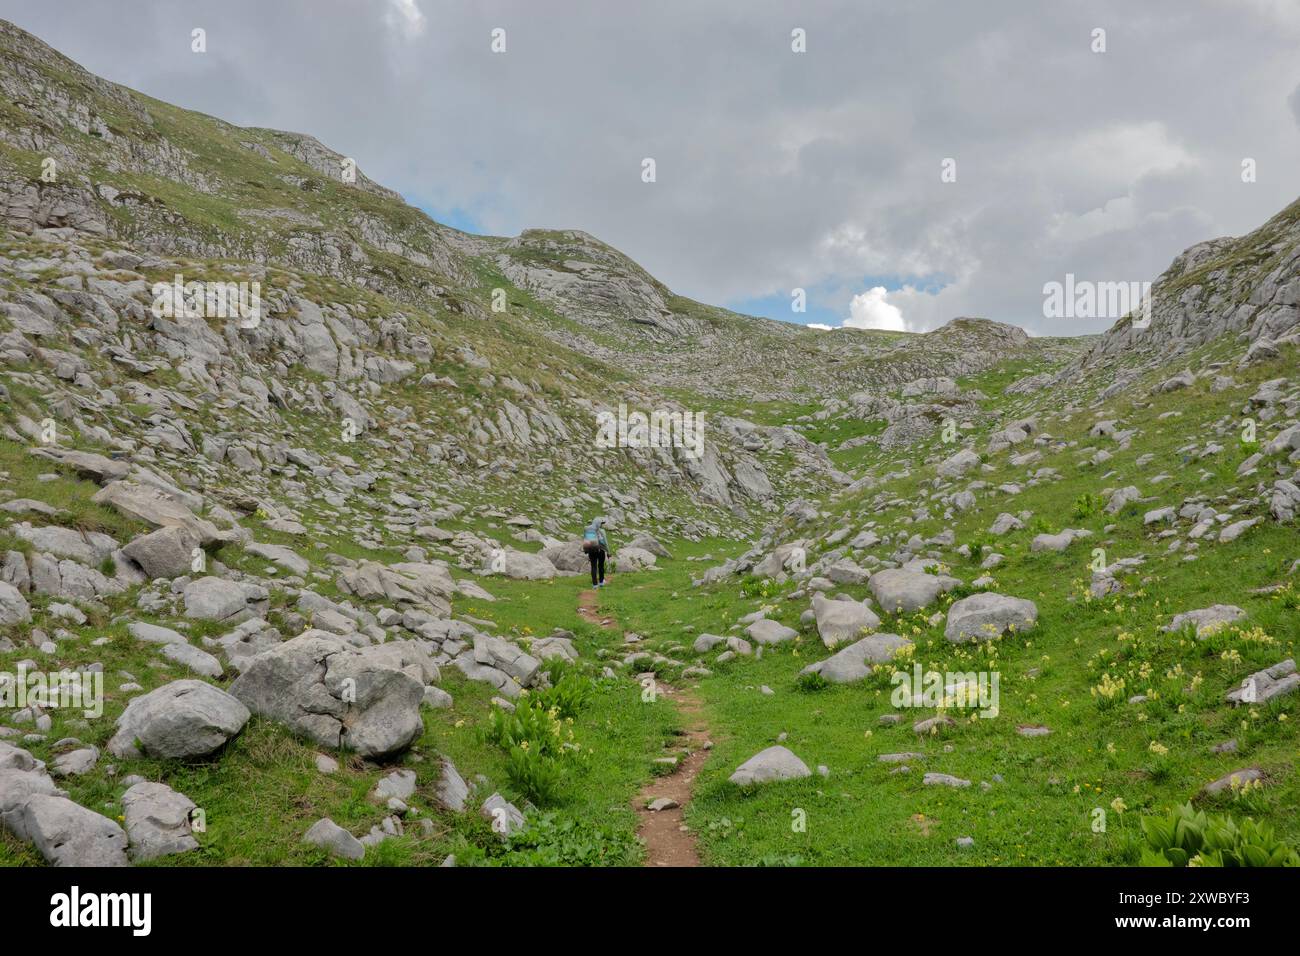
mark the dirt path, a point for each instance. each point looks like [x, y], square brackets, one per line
[667, 840]
[589, 610]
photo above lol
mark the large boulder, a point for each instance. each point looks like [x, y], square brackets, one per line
[959, 464]
[165, 553]
[854, 662]
[14, 608]
[1207, 620]
[496, 661]
[192, 658]
[285, 557]
[84, 547]
[1059, 541]
[520, 565]
[427, 585]
[634, 559]
[215, 599]
[785, 557]
[774, 763]
[558, 645]
[158, 821]
[158, 509]
[982, 617]
[1263, 686]
[845, 571]
[365, 699]
[15, 758]
[499, 653]
[16, 786]
[568, 557]
[66, 833]
[86, 464]
[771, 632]
[183, 719]
[897, 589]
[649, 542]
[840, 621]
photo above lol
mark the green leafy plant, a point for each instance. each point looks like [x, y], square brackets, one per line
[1085, 506]
[1184, 836]
[532, 725]
[554, 839]
[811, 682]
[568, 695]
[1040, 525]
[537, 742]
[534, 774]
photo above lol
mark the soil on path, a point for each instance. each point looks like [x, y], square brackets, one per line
[667, 840]
[589, 610]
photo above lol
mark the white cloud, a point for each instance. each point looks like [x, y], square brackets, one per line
[823, 328]
[870, 310]
[405, 15]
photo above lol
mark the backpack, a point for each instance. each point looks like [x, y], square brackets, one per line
[590, 540]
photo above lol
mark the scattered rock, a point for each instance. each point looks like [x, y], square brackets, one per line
[774, 763]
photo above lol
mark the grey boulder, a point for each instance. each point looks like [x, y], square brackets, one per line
[165, 553]
[897, 589]
[366, 699]
[982, 617]
[503, 815]
[854, 662]
[771, 632]
[840, 621]
[332, 838]
[183, 719]
[1263, 686]
[1207, 620]
[158, 821]
[215, 599]
[766, 766]
[66, 833]
[14, 608]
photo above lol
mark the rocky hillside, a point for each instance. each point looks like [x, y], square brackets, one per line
[320, 552]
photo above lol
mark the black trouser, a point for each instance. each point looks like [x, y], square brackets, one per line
[597, 558]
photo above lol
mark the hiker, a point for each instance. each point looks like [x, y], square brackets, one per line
[596, 545]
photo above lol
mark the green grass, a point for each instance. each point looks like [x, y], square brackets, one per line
[1041, 811]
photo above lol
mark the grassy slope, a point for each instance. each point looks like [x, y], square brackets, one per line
[1041, 813]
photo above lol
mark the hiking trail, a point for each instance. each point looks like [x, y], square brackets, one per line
[668, 842]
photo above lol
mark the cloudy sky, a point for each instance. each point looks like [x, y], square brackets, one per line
[774, 169]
